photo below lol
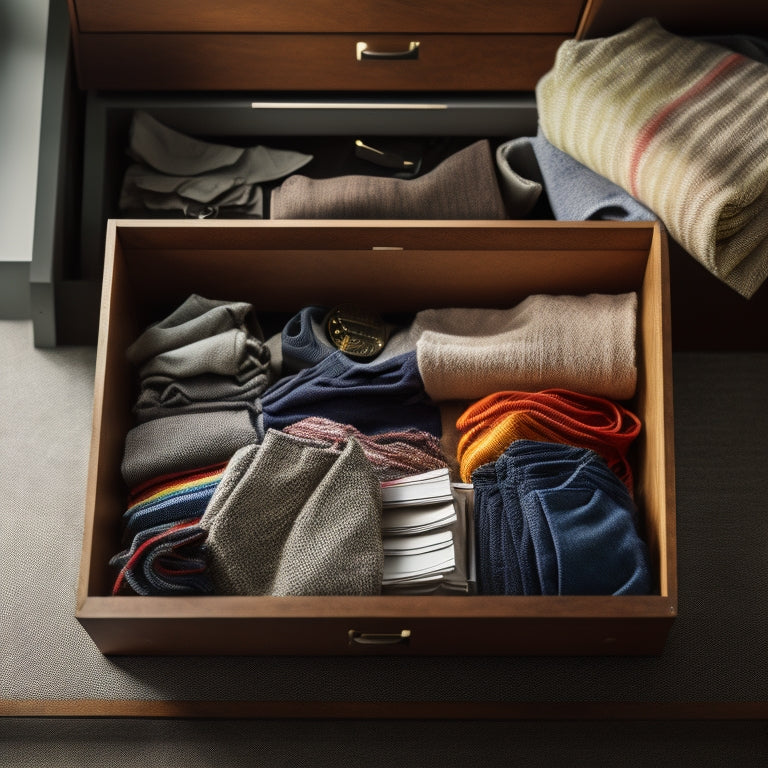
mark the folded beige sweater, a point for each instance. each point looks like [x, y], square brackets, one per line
[681, 125]
[583, 343]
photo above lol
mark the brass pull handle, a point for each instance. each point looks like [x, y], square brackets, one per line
[363, 53]
[378, 638]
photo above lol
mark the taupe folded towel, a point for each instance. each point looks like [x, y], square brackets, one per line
[583, 343]
[292, 517]
[463, 186]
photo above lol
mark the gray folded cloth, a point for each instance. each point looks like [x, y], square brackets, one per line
[173, 394]
[185, 441]
[464, 186]
[292, 517]
[174, 171]
[583, 343]
[520, 178]
[195, 319]
[575, 192]
[229, 366]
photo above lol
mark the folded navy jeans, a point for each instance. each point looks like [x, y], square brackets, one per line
[555, 519]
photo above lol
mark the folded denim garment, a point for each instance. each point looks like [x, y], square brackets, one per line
[464, 186]
[554, 519]
[291, 517]
[575, 192]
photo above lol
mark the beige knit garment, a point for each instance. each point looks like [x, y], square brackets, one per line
[583, 343]
[680, 124]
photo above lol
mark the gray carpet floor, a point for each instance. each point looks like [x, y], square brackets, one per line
[717, 650]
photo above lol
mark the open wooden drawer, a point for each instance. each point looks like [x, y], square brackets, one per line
[151, 267]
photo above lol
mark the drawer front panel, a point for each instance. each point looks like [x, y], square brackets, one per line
[313, 62]
[489, 16]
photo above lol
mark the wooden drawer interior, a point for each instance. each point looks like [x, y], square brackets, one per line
[153, 266]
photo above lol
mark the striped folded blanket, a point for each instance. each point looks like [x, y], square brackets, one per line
[680, 124]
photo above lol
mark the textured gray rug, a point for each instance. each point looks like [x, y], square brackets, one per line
[716, 651]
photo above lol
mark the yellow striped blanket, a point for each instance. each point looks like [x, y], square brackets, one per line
[680, 124]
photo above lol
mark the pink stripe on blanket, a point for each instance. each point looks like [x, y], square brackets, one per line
[652, 127]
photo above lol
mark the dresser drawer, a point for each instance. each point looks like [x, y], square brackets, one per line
[152, 267]
[269, 62]
[444, 16]
[321, 46]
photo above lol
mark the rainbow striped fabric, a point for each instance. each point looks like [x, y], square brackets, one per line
[171, 498]
[680, 124]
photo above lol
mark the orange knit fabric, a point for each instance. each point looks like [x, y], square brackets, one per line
[490, 425]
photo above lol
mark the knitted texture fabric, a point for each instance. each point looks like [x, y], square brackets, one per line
[490, 425]
[381, 396]
[195, 319]
[463, 186]
[582, 343]
[291, 517]
[392, 454]
[183, 442]
[680, 125]
[553, 519]
[166, 559]
[182, 498]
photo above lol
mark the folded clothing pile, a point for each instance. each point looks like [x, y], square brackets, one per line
[201, 370]
[292, 517]
[679, 124]
[198, 179]
[491, 424]
[164, 546]
[463, 186]
[553, 519]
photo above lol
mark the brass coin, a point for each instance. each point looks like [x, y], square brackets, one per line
[356, 331]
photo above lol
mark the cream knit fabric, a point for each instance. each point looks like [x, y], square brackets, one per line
[680, 124]
[584, 343]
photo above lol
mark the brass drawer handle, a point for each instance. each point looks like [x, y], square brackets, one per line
[363, 53]
[375, 638]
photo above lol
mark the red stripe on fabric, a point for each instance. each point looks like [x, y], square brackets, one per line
[651, 128]
[161, 482]
[142, 548]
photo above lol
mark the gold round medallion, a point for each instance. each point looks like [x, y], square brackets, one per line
[356, 331]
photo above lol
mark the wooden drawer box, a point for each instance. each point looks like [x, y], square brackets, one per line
[244, 45]
[151, 267]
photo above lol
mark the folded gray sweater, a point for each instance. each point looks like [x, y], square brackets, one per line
[293, 517]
